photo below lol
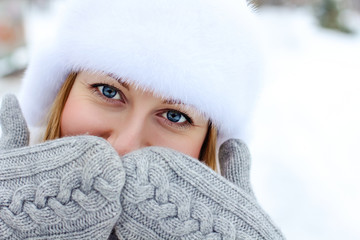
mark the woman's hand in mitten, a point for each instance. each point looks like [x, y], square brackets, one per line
[235, 161]
[13, 125]
[63, 189]
[168, 195]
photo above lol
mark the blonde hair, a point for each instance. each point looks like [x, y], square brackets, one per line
[53, 130]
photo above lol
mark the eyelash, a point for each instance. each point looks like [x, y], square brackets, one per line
[189, 122]
[95, 88]
[183, 125]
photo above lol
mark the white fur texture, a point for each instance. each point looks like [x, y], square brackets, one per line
[202, 52]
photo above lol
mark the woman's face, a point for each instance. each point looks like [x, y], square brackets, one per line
[130, 118]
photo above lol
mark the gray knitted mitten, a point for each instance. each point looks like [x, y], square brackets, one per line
[14, 129]
[168, 195]
[63, 189]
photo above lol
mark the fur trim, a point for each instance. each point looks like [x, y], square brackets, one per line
[202, 52]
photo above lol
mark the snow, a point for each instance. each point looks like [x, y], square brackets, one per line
[306, 130]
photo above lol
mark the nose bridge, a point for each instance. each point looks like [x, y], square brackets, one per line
[129, 136]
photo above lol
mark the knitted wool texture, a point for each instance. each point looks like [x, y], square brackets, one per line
[63, 189]
[71, 188]
[14, 129]
[168, 195]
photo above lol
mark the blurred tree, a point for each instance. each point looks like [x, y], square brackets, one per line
[351, 4]
[329, 15]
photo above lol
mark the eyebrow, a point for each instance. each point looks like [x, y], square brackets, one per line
[126, 85]
[172, 101]
[120, 80]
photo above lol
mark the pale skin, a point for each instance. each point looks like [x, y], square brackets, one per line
[130, 118]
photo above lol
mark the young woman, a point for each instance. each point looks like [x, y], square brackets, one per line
[202, 57]
[176, 74]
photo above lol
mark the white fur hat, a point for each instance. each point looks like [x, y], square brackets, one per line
[202, 52]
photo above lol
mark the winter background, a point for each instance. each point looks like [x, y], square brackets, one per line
[306, 136]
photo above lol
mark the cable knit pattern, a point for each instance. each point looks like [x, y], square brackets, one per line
[67, 189]
[63, 189]
[168, 195]
[73, 188]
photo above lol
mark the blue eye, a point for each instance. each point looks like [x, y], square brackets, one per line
[109, 92]
[175, 116]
